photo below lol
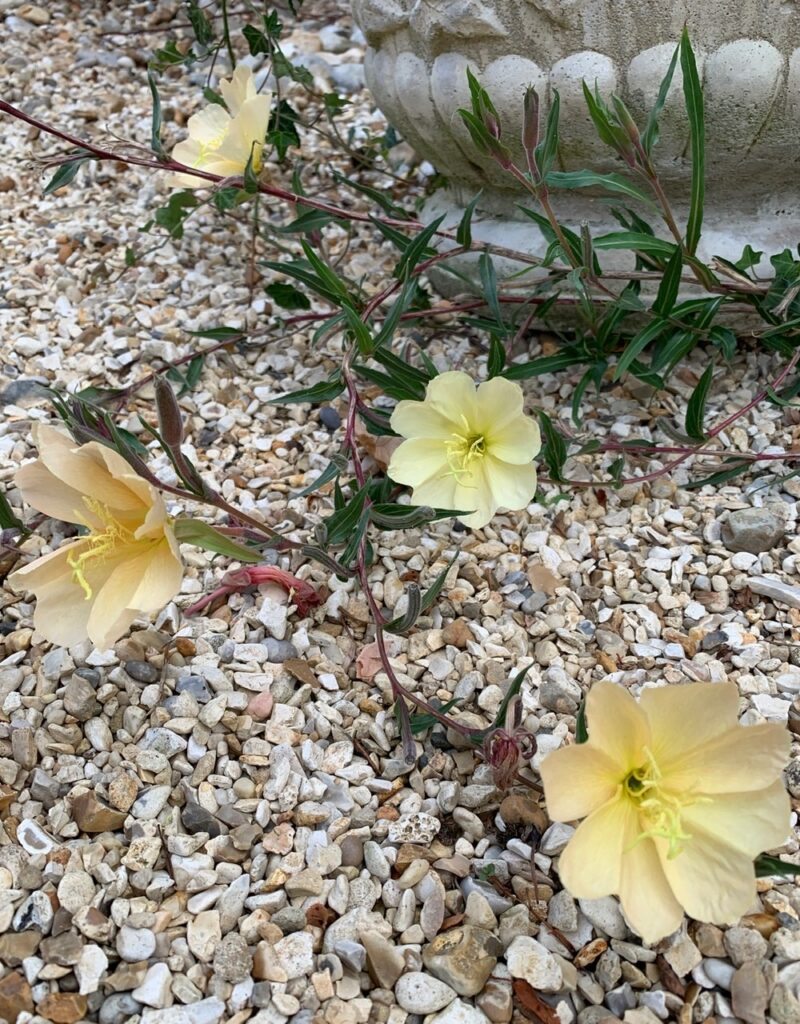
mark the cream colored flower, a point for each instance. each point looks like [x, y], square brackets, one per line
[222, 141]
[468, 449]
[678, 799]
[127, 565]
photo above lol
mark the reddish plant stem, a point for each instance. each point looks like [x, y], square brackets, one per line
[714, 432]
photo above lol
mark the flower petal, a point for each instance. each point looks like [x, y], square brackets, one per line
[577, 780]
[239, 87]
[742, 759]
[418, 419]
[712, 881]
[418, 460]
[749, 822]
[46, 493]
[209, 125]
[252, 120]
[473, 491]
[687, 715]
[136, 583]
[438, 492]
[453, 395]
[499, 401]
[513, 486]
[88, 468]
[517, 442]
[591, 864]
[61, 612]
[617, 725]
[648, 902]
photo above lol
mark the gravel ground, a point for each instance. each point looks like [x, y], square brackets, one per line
[213, 821]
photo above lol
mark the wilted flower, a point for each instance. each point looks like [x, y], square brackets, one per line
[128, 564]
[678, 800]
[467, 449]
[223, 141]
[300, 592]
[509, 747]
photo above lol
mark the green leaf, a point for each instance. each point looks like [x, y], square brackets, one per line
[650, 134]
[228, 198]
[464, 230]
[431, 595]
[287, 296]
[422, 721]
[325, 391]
[581, 731]
[311, 220]
[411, 614]
[155, 125]
[203, 535]
[497, 357]
[638, 344]
[407, 295]
[545, 364]
[554, 449]
[636, 241]
[736, 468]
[616, 183]
[282, 67]
[725, 340]
[695, 410]
[171, 56]
[593, 374]
[750, 258]
[335, 467]
[201, 26]
[544, 225]
[545, 153]
[418, 249]
[219, 333]
[489, 285]
[360, 331]
[610, 132]
[65, 173]
[693, 97]
[379, 197]
[394, 516]
[256, 41]
[340, 524]
[173, 215]
[511, 693]
[766, 865]
[8, 521]
[670, 283]
[282, 132]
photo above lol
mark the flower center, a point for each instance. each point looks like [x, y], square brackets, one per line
[99, 545]
[464, 449]
[659, 809]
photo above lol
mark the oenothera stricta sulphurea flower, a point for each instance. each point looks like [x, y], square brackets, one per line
[126, 565]
[223, 141]
[677, 800]
[467, 448]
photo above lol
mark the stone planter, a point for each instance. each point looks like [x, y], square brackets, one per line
[748, 54]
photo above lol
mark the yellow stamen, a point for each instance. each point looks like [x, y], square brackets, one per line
[99, 544]
[659, 810]
[463, 450]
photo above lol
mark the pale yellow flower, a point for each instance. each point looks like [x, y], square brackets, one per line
[222, 141]
[678, 799]
[467, 449]
[127, 565]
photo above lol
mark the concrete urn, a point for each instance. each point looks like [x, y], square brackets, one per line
[748, 54]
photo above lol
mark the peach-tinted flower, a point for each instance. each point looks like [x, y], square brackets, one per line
[677, 800]
[467, 449]
[222, 141]
[127, 565]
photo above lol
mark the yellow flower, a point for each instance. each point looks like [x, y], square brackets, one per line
[222, 141]
[127, 565]
[468, 449]
[678, 799]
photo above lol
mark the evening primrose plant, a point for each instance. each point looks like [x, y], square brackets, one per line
[661, 782]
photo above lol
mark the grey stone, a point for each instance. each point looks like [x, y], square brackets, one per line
[289, 919]
[776, 590]
[279, 651]
[45, 788]
[418, 992]
[530, 960]
[744, 944]
[604, 913]
[348, 77]
[118, 1008]
[232, 959]
[80, 700]
[142, 671]
[463, 958]
[753, 529]
[197, 819]
[196, 687]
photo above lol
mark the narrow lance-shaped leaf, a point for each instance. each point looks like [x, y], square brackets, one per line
[203, 535]
[650, 133]
[155, 129]
[693, 97]
[695, 411]
[464, 230]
